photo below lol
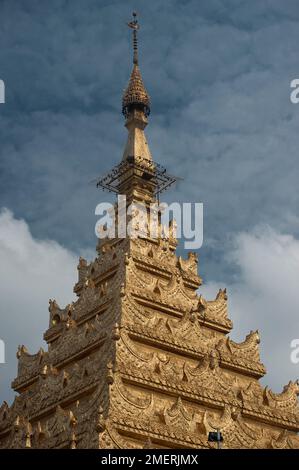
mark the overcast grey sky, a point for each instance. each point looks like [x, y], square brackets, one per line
[218, 72]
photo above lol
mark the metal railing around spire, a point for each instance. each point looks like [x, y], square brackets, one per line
[117, 177]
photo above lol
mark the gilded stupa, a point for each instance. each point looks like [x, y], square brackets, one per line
[140, 359]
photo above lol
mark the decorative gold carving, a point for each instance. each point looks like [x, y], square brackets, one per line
[140, 360]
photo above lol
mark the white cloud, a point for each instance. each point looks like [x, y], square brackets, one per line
[31, 272]
[264, 296]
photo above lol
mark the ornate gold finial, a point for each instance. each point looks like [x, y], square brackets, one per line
[135, 26]
[135, 96]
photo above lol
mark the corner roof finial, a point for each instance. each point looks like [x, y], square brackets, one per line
[135, 26]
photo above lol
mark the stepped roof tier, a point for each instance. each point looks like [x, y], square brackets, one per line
[140, 359]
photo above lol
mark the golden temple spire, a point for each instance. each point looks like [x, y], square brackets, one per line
[136, 108]
[135, 26]
[135, 95]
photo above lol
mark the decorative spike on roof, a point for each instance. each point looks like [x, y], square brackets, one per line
[135, 95]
